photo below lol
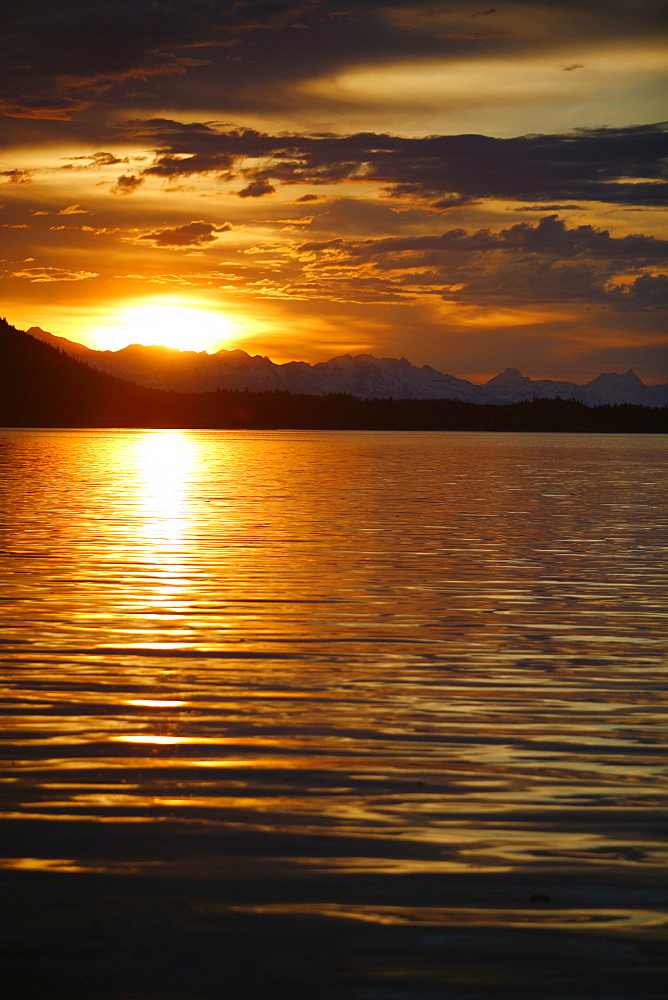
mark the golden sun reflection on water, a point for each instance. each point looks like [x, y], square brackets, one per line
[154, 703]
[165, 463]
[165, 468]
[144, 520]
[159, 469]
[288, 663]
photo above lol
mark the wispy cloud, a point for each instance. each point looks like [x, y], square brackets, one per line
[46, 274]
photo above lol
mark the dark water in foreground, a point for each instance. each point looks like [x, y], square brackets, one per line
[338, 715]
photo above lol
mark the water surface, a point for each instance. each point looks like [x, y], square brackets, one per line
[343, 714]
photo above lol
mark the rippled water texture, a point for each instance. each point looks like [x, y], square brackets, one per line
[338, 714]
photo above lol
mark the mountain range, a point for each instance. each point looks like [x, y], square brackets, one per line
[363, 376]
[43, 386]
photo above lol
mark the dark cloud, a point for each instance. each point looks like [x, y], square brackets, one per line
[194, 234]
[623, 166]
[127, 184]
[550, 236]
[550, 208]
[346, 37]
[60, 57]
[257, 188]
[106, 159]
[198, 163]
[43, 107]
[100, 159]
[524, 264]
[17, 176]
[648, 291]
[84, 41]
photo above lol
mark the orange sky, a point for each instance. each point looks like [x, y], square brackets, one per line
[466, 186]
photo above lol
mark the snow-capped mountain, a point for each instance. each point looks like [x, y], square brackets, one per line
[512, 387]
[363, 375]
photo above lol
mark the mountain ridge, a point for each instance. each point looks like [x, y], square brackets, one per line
[362, 375]
[42, 386]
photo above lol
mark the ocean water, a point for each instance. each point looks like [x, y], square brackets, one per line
[333, 714]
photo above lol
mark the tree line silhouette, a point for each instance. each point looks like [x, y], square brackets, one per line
[40, 386]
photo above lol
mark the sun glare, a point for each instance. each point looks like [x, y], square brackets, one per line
[185, 326]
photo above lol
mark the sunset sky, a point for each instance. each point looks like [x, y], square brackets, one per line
[469, 186]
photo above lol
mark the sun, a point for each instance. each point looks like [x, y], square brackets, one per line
[184, 325]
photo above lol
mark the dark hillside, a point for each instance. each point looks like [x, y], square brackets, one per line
[42, 387]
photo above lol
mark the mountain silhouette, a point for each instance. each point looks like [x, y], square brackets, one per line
[41, 385]
[361, 375]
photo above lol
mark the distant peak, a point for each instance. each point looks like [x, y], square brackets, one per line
[72, 346]
[511, 376]
[149, 349]
[234, 352]
[607, 379]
